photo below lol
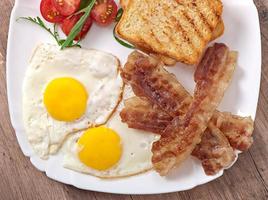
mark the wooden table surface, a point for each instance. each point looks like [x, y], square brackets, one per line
[247, 179]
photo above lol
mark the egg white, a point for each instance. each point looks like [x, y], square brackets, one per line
[136, 150]
[97, 71]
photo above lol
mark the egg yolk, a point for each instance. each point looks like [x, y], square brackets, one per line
[65, 99]
[99, 148]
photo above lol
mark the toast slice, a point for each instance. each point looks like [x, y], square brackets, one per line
[171, 61]
[171, 29]
[217, 32]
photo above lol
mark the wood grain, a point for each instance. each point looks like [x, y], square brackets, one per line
[247, 179]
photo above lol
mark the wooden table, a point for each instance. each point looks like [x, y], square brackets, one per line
[247, 179]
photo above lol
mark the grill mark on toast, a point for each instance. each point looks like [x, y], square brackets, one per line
[167, 34]
[205, 21]
[214, 12]
[164, 33]
[191, 22]
[208, 4]
[155, 37]
[151, 33]
[184, 34]
[167, 30]
[203, 18]
[194, 6]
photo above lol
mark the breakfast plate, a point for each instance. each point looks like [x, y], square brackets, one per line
[242, 34]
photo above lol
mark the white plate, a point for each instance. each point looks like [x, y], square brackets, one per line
[242, 34]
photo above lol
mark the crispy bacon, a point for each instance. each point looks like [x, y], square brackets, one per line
[141, 114]
[161, 88]
[237, 129]
[214, 151]
[149, 79]
[179, 138]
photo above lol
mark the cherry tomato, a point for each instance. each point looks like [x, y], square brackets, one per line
[69, 23]
[49, 12]
[66, 7]
[104, 12]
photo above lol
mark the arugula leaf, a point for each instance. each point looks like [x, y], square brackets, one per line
[78, 26]
[119, 14]
[117, 19]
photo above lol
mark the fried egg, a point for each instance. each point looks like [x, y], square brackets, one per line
[65, 91]
[110, 151]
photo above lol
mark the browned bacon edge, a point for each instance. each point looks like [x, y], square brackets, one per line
[214, 151]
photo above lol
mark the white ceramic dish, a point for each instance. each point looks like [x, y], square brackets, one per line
[242, 34]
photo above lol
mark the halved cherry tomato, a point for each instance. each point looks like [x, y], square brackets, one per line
[49, 12]
[104, 12]
[69, 23]
[66, 7]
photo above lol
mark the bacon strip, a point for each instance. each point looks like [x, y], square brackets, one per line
[237, 129]
[214, 151]
[179, 139]
[151, 81]
[199, 76]
[139, 113]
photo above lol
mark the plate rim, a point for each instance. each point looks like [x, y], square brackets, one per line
[69, 182]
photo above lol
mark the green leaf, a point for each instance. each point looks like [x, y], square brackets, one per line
[40, 21]
[61, 41]
[78, 26]
[84, 4]
[119, 14]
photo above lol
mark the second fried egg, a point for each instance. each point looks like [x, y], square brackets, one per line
[110, 151]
